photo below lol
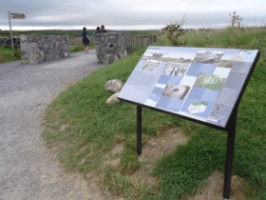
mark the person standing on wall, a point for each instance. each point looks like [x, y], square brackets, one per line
[85, 39]
[103, 30]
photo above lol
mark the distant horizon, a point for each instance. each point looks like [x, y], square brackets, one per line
[185, 25]
[129, 29]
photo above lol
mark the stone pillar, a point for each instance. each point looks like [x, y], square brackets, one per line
[41, 48]
[112, 46]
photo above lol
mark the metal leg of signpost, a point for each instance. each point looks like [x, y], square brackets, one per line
[10, 27]
[139, 129]
[230, 155]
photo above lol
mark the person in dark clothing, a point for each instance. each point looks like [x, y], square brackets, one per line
[98, 29]
[103, 30]
[85, 39]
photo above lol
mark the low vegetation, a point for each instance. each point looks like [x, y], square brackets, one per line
[82, 130]
[7, 54]
[174, 31]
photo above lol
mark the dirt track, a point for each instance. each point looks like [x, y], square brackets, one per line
[28, 170]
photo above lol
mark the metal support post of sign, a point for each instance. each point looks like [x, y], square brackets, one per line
[10, 27]
[139, 129]
[230, 154]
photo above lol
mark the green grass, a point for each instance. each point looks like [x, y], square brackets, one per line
[92, 129]
[76, 48]
[7, 54]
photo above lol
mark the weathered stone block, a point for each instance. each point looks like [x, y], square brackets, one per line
[112, 46]
[37, 49]
[113, 99]
[114, 85]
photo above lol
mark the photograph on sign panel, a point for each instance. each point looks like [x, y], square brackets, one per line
[225, 63]
[175, 69]
[152, 56]
[208, 57]
[176, 91]
[151, 65]
[240, 55]
[245, 56]
[176, 60]
[197, 107]
[210, 81]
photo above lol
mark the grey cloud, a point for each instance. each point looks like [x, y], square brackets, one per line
[59, 13]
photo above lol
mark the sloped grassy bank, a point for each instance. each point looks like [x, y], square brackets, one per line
[81, 129]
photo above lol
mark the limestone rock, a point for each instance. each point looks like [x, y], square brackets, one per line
[114, 85]
[112, 99]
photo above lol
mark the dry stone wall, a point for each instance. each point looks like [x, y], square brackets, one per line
[112, 46]
[6, 42]
[41, 48]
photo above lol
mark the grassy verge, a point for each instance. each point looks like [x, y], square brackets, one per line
[82, 130]
[7, 54]
[76, 49]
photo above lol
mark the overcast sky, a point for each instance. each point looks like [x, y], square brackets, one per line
[130, 15]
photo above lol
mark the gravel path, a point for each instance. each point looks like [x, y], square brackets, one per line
[28, 170]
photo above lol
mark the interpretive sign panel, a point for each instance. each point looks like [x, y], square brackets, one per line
[202, 84]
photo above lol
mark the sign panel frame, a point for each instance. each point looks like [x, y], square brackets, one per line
[199, 84]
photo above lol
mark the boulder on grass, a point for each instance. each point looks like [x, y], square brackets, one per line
[112, 99]
[114, 85]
